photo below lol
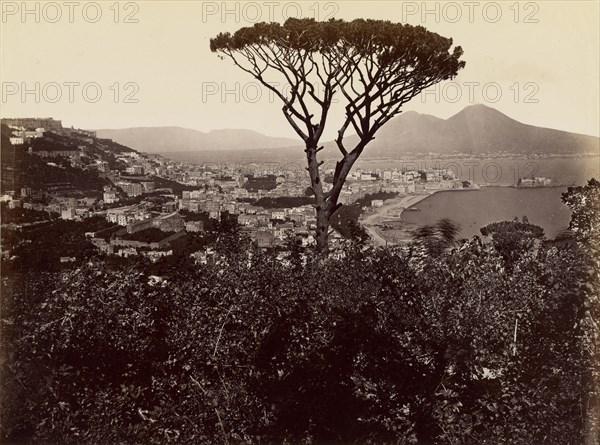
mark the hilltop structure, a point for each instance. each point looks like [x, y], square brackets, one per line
[31, 123]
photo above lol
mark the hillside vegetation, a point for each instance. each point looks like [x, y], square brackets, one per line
[441, 343]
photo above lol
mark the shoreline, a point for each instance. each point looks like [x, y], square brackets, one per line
[370, 221]
[485, 187]
[375, 217]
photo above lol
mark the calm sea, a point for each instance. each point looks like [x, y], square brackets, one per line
[474, 209]
[504, 171]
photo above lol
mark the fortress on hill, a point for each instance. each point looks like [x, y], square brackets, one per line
[31, 123]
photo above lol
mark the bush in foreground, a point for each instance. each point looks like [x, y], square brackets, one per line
[378, 346]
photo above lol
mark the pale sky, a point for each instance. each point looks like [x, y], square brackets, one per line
[538, 62]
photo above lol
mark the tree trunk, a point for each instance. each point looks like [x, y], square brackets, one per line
[321, 203]
[322, 235]
[326, 204]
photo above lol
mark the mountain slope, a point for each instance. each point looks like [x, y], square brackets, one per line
[169, 139]
[19, 169]
[476, 129]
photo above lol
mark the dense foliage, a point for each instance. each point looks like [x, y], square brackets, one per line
[39, 247]
[279, 202]
[20, 215]
[21, 169]
[375, 346]
[513, 238]
[584, 202]
[149, 235]
[369, 197]
[345, 221]
[256, 183]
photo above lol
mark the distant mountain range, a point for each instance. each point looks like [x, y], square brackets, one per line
[476, 129]
[169, 139]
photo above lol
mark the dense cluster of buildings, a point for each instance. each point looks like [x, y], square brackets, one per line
[210, 191]
[226, 191]
[24, 130]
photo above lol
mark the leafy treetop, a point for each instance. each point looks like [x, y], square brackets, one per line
[390, 61]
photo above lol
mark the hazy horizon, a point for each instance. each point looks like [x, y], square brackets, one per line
[266, 134]
[295, 136]
[150, 62]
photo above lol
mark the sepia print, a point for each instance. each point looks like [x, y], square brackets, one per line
[300, 222]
